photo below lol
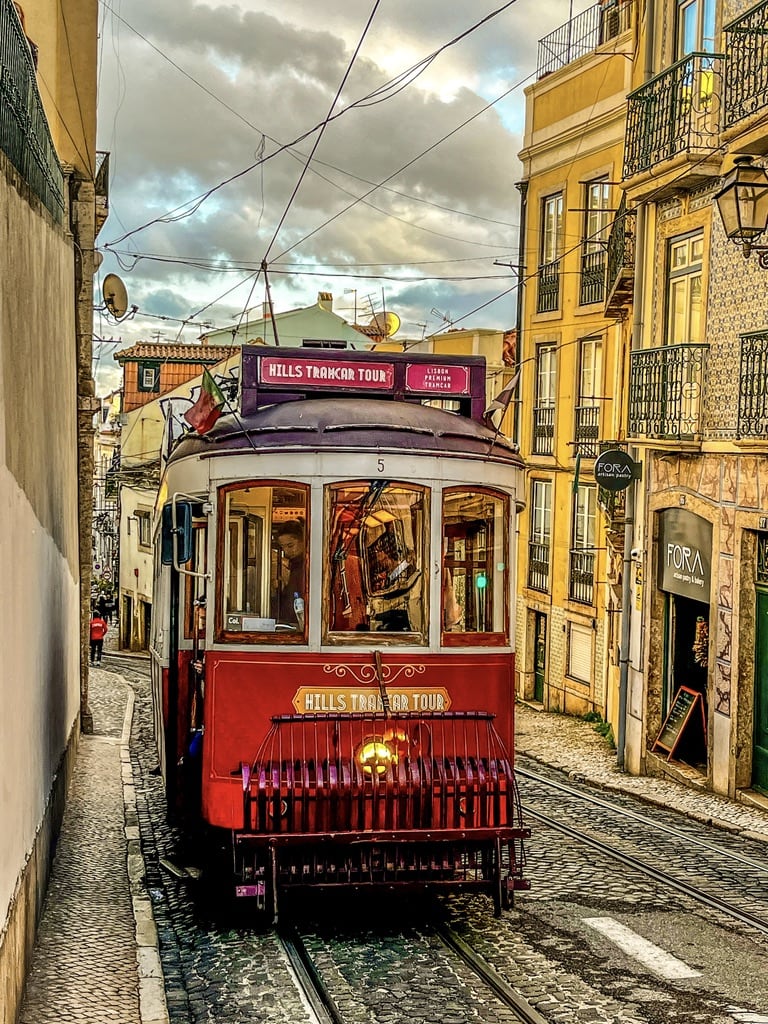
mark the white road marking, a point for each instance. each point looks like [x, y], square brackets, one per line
[634, 945]
[746, 1016]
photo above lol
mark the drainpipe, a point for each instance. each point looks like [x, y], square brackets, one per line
[522, 188]
[635, 342]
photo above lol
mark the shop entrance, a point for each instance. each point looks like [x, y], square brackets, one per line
[760, 752]
[687, 654]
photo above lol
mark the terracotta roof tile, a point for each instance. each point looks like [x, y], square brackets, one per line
[171, 353]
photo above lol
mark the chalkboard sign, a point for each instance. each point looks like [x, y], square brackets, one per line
[680, 715]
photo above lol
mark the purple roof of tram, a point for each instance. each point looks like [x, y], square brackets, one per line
[339, 423]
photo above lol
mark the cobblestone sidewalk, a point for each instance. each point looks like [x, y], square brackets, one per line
[574, 746]
[93, 959]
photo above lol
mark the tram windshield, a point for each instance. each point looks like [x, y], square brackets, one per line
[263, 558]
[376, 554]
[475, 563]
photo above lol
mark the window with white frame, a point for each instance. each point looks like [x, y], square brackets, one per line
[684, 302]
[695, 27]
[580, 652]
[582, 557]
[544, 409]
[540, 535]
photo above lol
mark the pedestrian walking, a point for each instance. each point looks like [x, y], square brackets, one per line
[99, 629]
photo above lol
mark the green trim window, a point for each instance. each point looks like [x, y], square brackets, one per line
[148, 378]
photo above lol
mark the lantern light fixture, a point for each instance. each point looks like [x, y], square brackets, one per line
[743, 205]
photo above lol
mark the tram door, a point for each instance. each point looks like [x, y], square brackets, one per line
[539, 655]
[760, 753]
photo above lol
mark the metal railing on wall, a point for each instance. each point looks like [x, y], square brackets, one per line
[666, 387]
[753, 385]
[582, 34]
[746, 64]
[677, 111]
[25, 137]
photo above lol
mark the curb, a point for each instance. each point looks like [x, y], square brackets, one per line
[153, 1008]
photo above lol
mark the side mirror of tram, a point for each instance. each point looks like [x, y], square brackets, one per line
[176, 541]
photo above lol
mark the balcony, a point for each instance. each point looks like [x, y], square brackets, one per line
[582, 576]
[665, 392]
[592, 282]
[746, 65]
[548, 293]
[538, 566]
[543, 429]
[587, 431]
[620, 258]
[582, 34]
[24, 134]
[753, 386]
[678, 111]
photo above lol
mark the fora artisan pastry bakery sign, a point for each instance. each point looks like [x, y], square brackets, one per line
[685, 554]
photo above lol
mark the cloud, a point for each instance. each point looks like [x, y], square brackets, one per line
[192, 94]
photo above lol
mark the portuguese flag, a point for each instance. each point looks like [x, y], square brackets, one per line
[207, 408]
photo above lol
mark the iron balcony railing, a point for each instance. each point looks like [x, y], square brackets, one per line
[620, 259]
[666, 392]
[582, 576]
[548, 294]
[582, 34]
[543, 429]
[753, 386]
[678, 111]
[746, 65]
[538, 566]
[592, 277]
[24, 134]
[587, 430]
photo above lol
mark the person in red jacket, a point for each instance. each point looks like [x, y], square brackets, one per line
[99, 629]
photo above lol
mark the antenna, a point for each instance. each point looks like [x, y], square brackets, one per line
[386, 323]
[115, 296]
[445, 317]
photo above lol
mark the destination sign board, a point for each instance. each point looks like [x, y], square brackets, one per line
[326, 373]
[437, 378]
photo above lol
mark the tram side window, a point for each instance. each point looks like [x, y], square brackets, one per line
[376, 553]
[475, 563]
[263, 564]
[196, 587]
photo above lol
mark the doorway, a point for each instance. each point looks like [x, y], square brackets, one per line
[687, 664]
[760, 751]
[539, 655]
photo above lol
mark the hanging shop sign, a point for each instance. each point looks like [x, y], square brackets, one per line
[685, 554]
[615, 470]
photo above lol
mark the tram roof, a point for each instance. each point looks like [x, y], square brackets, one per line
[343, 423]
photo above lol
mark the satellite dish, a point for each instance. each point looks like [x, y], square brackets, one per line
[115, 296]
[385, 323]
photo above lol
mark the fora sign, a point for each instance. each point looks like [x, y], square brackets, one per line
[615, 470]
[685, 546]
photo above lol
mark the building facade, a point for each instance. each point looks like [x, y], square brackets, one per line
[53, 198]
[571, 347]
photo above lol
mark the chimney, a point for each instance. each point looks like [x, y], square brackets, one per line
[325, 299]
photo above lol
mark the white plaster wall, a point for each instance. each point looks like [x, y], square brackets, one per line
[39, 595]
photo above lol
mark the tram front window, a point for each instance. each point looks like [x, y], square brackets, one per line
[375, 559]
[264, 567]
[475, 564]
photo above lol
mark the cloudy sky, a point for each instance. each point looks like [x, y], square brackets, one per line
[211, 112]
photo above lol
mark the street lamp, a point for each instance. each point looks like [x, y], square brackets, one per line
[743, 206]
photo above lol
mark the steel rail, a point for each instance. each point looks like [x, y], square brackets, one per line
[661, 877]
[642, 819]
[483, 970]
[308, 978]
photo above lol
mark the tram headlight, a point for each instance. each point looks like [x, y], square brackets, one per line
[375, 756]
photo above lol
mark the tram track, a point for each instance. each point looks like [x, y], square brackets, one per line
[720, 860]
[320, 1000]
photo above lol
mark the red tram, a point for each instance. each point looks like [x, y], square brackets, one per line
[333, 628]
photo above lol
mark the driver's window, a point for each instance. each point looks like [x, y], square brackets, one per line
[475, 566]
[375, 561]
[262, 560]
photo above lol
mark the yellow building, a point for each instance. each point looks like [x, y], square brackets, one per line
[697, 406]
[571, 346]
